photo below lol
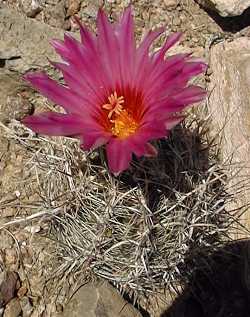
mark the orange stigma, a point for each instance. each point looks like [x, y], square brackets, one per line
[115, 104]
[122, 122]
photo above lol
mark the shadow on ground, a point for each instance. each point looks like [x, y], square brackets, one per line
[220, 287]
[231, 24]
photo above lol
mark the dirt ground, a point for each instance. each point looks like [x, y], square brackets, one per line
[183, 15]
[24, 247]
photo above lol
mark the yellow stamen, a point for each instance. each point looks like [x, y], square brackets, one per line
[122, 122]
[124, 125]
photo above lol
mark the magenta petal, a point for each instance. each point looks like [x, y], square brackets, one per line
[119, 155]
[125, 36]
[53, 123]
[162, 109]
[85, 64]
[137, 145]
[69, 76]
[171, 41]
[94, 140]
[59, 94]
[125, 31]
[60, 48]
[87, 37]
[164, 75]
[171, 122]
[150, 150]
[194, 68]
[173, 60]
[72, 44]
[190, 94]
[148, 40]
[76, 84]
[108, 47]
[143, 65]
[151, 131]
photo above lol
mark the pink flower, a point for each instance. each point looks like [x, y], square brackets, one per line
[116, 93]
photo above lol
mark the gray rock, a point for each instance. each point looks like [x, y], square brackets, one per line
[6, 240]
[32, 7]
[101, 300]
[55, 14]
[14, 102]
[171, 4]
[73, 7]
[24, 42]
[26, 306]
[8, 283]
[13, 308]
[229, 106]
[226, 8]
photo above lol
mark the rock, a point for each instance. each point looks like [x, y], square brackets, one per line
[13, 308]
[22, 292]
[14, 102]
[16, 107]
[55, 14]
[35, 314]
[226, 8]
[6, 240]
[89, 10]
[31, 7]
[171, 4]
[26, 306]
[8, 284]
[10, 256]
[229, 106]
[101, 300]
[73, 8]
[24, 43]
[33, 229]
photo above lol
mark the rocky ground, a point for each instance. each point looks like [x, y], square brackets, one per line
[26, 26]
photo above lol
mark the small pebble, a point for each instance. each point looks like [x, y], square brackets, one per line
[33, 229]
[73, 8]
[171, 4]
[27, 307]
[10, 256]
[22, 291]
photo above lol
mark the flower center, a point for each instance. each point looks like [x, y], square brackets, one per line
[123, 125]
[122, 122]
